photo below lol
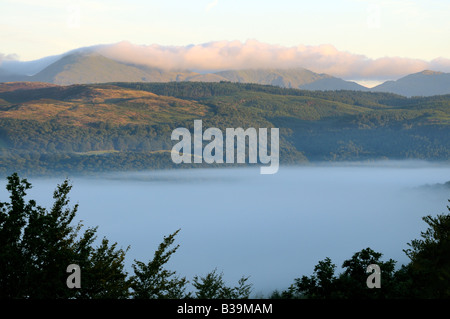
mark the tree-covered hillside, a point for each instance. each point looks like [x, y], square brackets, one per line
[127, 126]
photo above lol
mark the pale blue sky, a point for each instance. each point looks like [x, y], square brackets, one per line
[407, 28]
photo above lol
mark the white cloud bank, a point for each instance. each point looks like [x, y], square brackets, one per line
[225, 55]
[229, 55]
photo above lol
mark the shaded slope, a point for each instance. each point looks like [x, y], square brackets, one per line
[425, 83]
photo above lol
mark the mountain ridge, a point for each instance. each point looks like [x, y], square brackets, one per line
[87, 66]
[424, 83]
[84, 67]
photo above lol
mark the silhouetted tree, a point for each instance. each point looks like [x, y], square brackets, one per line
[351, 284]
[212, 286]
[320, 285]
[430, 258]
[38, 245]
[152, 280]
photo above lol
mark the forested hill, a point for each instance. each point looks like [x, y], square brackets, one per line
[47, 128]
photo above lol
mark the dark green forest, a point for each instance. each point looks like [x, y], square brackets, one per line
[38, 244]
[127, 126]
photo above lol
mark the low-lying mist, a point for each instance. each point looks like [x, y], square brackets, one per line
[273, 228]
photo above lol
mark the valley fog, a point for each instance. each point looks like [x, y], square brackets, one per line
[273, 228]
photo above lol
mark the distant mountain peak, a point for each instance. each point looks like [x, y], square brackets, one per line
[424, 83]
[430, 72]
[86, 65]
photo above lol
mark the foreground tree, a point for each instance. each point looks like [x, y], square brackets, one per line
[212, 286]
[152, 280]
[38, 245]
[430, 259]
[426, 276]
[322, 284]
[351, 284]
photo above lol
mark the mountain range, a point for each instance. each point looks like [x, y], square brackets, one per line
[84, 67]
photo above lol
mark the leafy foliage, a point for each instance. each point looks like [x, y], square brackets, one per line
[152, 281]
[212, 286]
[350, 284]
[427, 275]
[38, 245]
[430, 257]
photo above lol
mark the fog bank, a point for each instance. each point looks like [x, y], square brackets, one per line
[272, 227]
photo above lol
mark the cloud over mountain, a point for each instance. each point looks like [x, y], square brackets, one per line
[226, 55]
[7, 57]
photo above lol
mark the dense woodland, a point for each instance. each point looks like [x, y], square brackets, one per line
[127, 126]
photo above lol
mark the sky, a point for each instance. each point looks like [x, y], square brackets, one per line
[409, 31]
